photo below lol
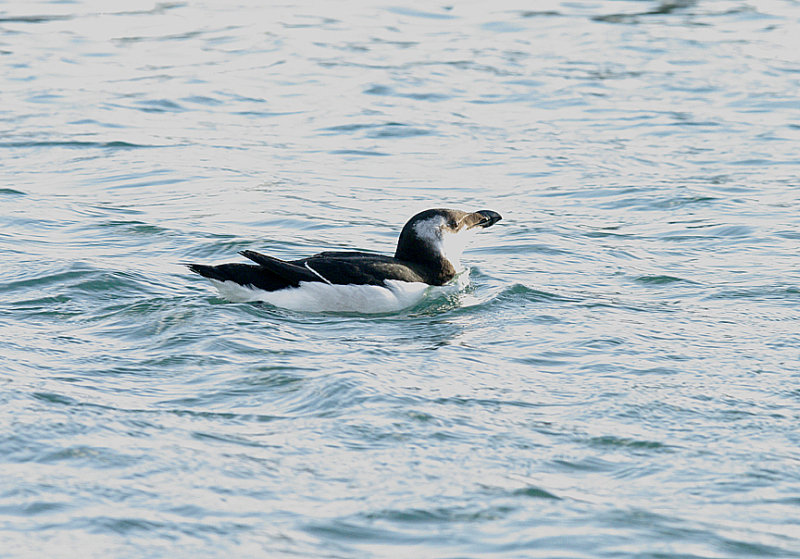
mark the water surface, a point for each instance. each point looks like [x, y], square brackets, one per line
[620, 379]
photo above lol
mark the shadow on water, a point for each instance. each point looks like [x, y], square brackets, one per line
[662, 8]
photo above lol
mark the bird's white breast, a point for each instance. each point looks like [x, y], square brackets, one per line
[324, 297]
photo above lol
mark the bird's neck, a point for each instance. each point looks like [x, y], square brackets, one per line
[430, 264]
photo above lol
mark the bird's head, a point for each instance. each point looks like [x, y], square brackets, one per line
[441, 234]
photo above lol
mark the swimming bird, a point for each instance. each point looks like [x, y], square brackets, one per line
[428, 254]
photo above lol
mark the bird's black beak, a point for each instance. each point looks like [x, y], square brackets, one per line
[485, 218]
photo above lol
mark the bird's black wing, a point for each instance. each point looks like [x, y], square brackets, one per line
[359, 268]
[291, 272]
[339, 268]
[268, 273]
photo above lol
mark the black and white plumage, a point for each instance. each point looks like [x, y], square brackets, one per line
[428, 254]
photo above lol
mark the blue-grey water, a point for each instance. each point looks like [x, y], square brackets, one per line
[620, 379]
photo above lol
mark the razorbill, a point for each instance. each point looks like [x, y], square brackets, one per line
[428, 254]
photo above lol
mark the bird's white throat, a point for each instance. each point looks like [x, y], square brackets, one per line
[446, 242]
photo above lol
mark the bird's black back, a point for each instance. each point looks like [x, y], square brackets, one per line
[337, 268]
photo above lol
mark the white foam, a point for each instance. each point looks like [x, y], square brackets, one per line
[324, 297]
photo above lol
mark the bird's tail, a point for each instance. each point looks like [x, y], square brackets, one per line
[210, 272]
[244, 274]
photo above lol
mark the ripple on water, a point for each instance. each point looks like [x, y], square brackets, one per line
[661, 280]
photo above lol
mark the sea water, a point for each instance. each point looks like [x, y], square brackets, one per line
[620, 378]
